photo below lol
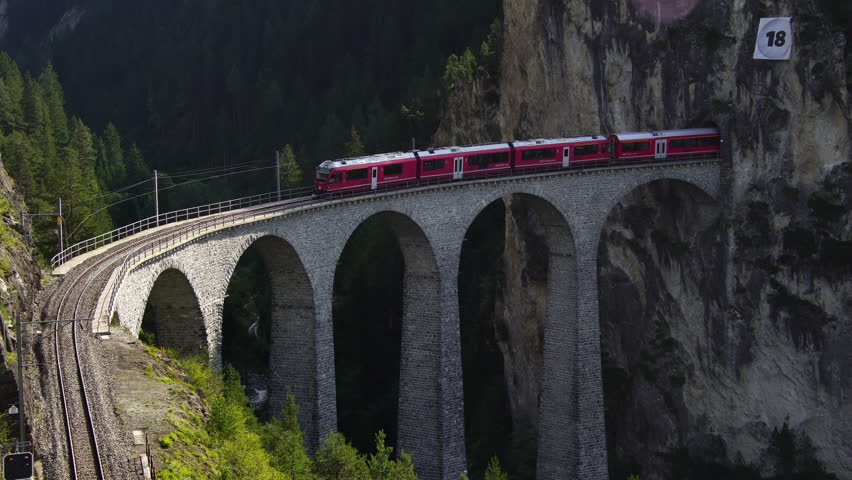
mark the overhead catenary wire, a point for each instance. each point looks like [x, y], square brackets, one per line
[202, 171]
[186, 173]
[82, 222]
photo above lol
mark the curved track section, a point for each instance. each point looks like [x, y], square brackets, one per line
[67, 306]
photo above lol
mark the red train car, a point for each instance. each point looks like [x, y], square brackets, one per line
[464, 162]
[560, 152]
[365, 173]
[692, 142]
[455, 163]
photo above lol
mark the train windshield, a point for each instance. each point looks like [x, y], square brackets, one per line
[322, 175]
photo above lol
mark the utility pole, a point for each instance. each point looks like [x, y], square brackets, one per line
[412, 144]
[156, 200]
[59, 223]
[278, 174]
[21, 419]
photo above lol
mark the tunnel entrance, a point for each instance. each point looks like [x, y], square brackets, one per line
[172, 317]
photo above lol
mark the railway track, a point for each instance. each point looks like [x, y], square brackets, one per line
[84, 456]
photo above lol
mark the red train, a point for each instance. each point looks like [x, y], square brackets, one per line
[455, 163]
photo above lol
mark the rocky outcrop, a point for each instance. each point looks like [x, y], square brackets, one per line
[715, 327]
[20, 276]
[20, 279]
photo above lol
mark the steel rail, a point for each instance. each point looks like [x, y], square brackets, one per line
[90, 426]
[177, 231]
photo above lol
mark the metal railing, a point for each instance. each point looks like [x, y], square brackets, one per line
[171, 217]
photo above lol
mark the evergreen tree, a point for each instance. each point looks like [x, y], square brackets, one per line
[285, 441]
[337, 459]
[354, 147]
[494, 472]
[113, 155]
[23, 160]
[87, 216]
[782, 450]
[11, 94]
[382, 467]
[55, 103]
[291, 172]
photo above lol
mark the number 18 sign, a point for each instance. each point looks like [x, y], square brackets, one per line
[774, 39]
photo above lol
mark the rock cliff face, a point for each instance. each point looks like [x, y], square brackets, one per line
[20, 275]
[718, 320]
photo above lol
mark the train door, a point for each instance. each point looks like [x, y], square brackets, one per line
[458, 167]
[374, 176]
[661, 148]
[566, 156]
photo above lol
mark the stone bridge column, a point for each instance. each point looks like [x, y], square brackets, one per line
[431, 423]
[324, 415]
[558, 410]
[302, 352]
[453, 455]
[591, 431]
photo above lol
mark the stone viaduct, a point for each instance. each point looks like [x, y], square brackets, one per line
[301, 248]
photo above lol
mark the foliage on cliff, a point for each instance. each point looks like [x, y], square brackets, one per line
[231, 443]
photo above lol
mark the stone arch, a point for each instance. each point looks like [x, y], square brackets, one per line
[292, 355]
[708, 185]
[657, 250]
[419, 405]
[176, 313]
[539, 362]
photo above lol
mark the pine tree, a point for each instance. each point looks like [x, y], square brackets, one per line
[137, 169]
[291, 172]
[354, 147]
[23, 160]
[382, 467]
[55, 103]
[285, 441]
[337, 459]
[11, 94]
[494, 472]
[115, 167]
[87, 197]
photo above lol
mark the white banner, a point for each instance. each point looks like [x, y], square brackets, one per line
[774, 39]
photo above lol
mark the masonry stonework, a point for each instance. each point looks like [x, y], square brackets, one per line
[301, 248]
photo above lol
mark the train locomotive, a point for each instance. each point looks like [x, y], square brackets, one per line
[387, 170]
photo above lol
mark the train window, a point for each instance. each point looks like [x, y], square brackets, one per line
[357, 174]
[634, 146]
[708, 141]
[434, 164]
[394, 169]
[485, 159]
[322, 176]
[586, 149]
[538, 154]
[334, 178]
[681, 143]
